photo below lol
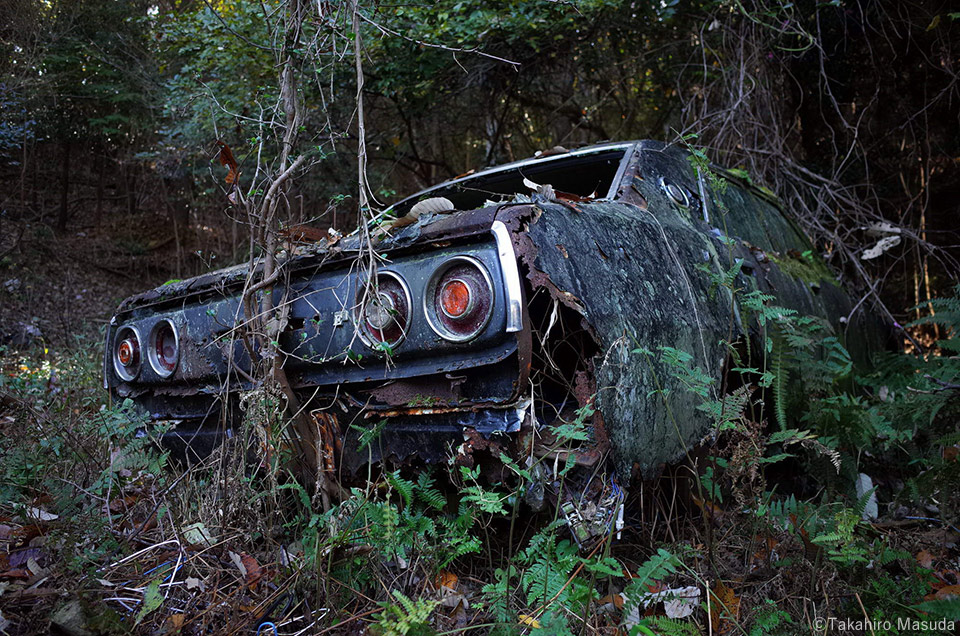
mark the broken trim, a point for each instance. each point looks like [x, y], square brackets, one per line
[511, 276]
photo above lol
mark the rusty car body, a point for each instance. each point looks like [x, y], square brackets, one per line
[559, 286]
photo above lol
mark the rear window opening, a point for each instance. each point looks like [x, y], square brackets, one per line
[587, 174]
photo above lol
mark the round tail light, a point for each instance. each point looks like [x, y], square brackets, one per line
[384, 310]
[456, 298]
[126, 353]
[164, 348]
[459, 299]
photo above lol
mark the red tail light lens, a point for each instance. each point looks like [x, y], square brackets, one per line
[459, 299]
[126, 354]
[384, 310]
[164, 348]
[455, 298]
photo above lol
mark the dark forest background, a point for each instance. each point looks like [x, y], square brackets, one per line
[111, 113]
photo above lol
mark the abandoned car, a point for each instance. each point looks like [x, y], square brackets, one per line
[505, 303]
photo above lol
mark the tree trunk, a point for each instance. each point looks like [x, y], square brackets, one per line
[64, 185]
[98, 210]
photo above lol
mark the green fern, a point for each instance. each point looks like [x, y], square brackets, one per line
[780, 377]
[946, 311]
[403, 486]
[664, 626]
[545, 578]
[768, 619]
[428, 494]
[542, 581]
[948, 608]
[406, 617]
[658, 566]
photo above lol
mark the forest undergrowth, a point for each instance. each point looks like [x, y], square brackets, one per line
[825, 494]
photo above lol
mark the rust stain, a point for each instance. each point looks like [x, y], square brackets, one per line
[417, 410]
[329, 442]
[425, 391]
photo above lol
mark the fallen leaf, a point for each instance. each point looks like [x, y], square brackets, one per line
[724, 608]
[459, 616]
[20, 558]
[810, 549]
[198, 534]
[149, 524]
[612, 599]
[529, 621]
[678, 602]
[36, 514]
[152, 600]
[710, 510]
[925, 559]
[446, 579]
[304, 234]
[123, 503]
[681, 602]
[253, 570]
[764, 554]
[175, 623]
[237, 562]
[34, 567]
[950, 591]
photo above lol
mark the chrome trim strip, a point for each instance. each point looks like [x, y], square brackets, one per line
[628, 155]
[703, 196]
[511, 276]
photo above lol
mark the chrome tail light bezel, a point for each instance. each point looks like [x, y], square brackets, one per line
[153, 356]
[364, 330]
[125, 372]
[430, 294]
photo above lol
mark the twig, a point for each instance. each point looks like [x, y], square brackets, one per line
[430, 45]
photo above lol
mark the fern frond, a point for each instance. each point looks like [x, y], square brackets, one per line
[403, 486]
[428, 494]
[656, 567]
[780, 376]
